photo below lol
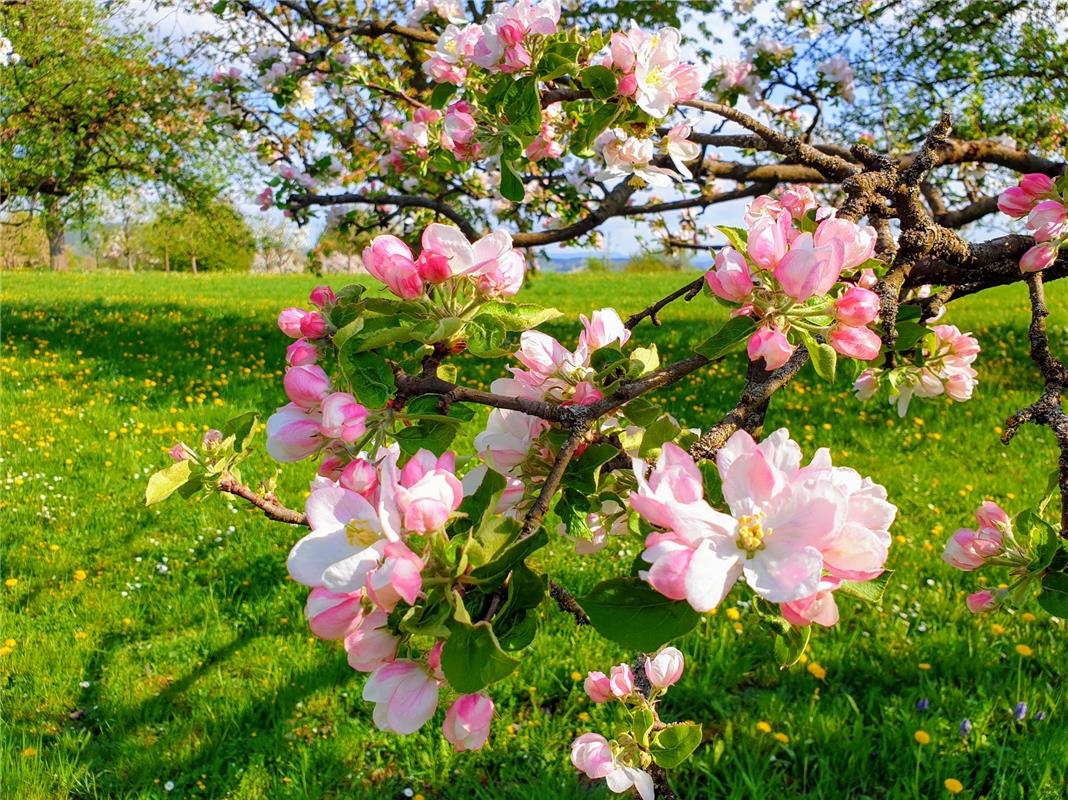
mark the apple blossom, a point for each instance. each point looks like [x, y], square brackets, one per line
[368, 642]
[770, 344]
[467, 722]
[289, 321]
[306, 386]
[1038, 258]
[293, 433]
[1047, 220]
[404, 694]
[397, 578]
[857, 306]
[330, 614]
[984, 600]
[860, 343]
[665, 668]
[592, 755]
[731, 278]
[301, 353]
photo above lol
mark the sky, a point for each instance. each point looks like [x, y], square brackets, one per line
[622, 235]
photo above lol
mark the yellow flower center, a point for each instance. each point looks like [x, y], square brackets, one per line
[751, 533]
[360, 533]
[655, 77]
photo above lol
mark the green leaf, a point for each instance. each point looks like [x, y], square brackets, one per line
[522, 105]
[590, 127]
[441, 94]
[1042, 539]
[1054, 596]
[554, 65]
[630, 612]
[643, 361]
[344, 334]
[584, 471]
[473, 659]
[370, 377]
[167, 481]
[869, 591]
[242, 428]
[511, 186]
[434, 435]
[909, 334]
[674, 744]
[486, 336]
[642, 724]
[518, 316]
[823, 357]
[383, 337]
[734, 333]
[494, 572]
[790, 646]
[600, 80]
[664, 429]
[738, 238]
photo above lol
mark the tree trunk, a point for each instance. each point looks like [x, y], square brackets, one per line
[57, 249]
[166, 259]
[193, 263]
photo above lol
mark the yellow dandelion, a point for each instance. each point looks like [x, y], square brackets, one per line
[953, 786]
[6, 651]
[11, 583]
[763, 727]
[576, 675]
[782, 737]
[816, 671]
[29, 752]
[922, 737]
[733, 614]
[1024, 650]
[10, 643]
[1027, 616]
[80, 634]
[924, 666]
[80, 575]
[997, 630]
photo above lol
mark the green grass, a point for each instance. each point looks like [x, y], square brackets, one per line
[166, 644]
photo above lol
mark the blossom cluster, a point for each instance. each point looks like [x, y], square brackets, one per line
[992, 543]
[945, 368]
[549, 371]
[1043, 202]
[786, 273]
[794, 533]
[491, 265]
[317, 417]
[359, 562]
[623, 762]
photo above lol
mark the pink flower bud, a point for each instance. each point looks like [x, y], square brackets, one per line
[604, 329]
[621, 680]
[330, 467]
[855, 342]
[467, 722]
[1047, 220]
[868, 279]
[301, 353]
[433, 267]
[360, 476]
[731, 279]
[331, 615]
[1036, 185]
[866, 385]
[592, 755]
[306, 386]
[1038, 258]
[313, 325]
[991, 515]
[389, 260]
[369, 643]
[772, 345]
[322, 296]
[405, 696]
[1015, 202]
[768, 240]
[179, 452]
[857, 306]
[968, 550]
[343, 417]
[212, 438]
[628, 85]
[293, 433]
[398, 578]
[665, 668]
[597, 687]
[289, 321]
[985, 600]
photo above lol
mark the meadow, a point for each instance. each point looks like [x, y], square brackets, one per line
[161, 652]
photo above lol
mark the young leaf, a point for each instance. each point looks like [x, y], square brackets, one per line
[674, 744]
[370, 377]
[823, 356]
[790, 646]
[472, 658]
[495, 571]
[441, 94]
[738, 238]
[242, 428]
[630, 612]
[869, 591]
[167, 481]
[601, 81]
[735, 332]
[1054, 596]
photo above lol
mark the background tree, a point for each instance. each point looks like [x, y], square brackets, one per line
[212, 238]
[88, 103]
